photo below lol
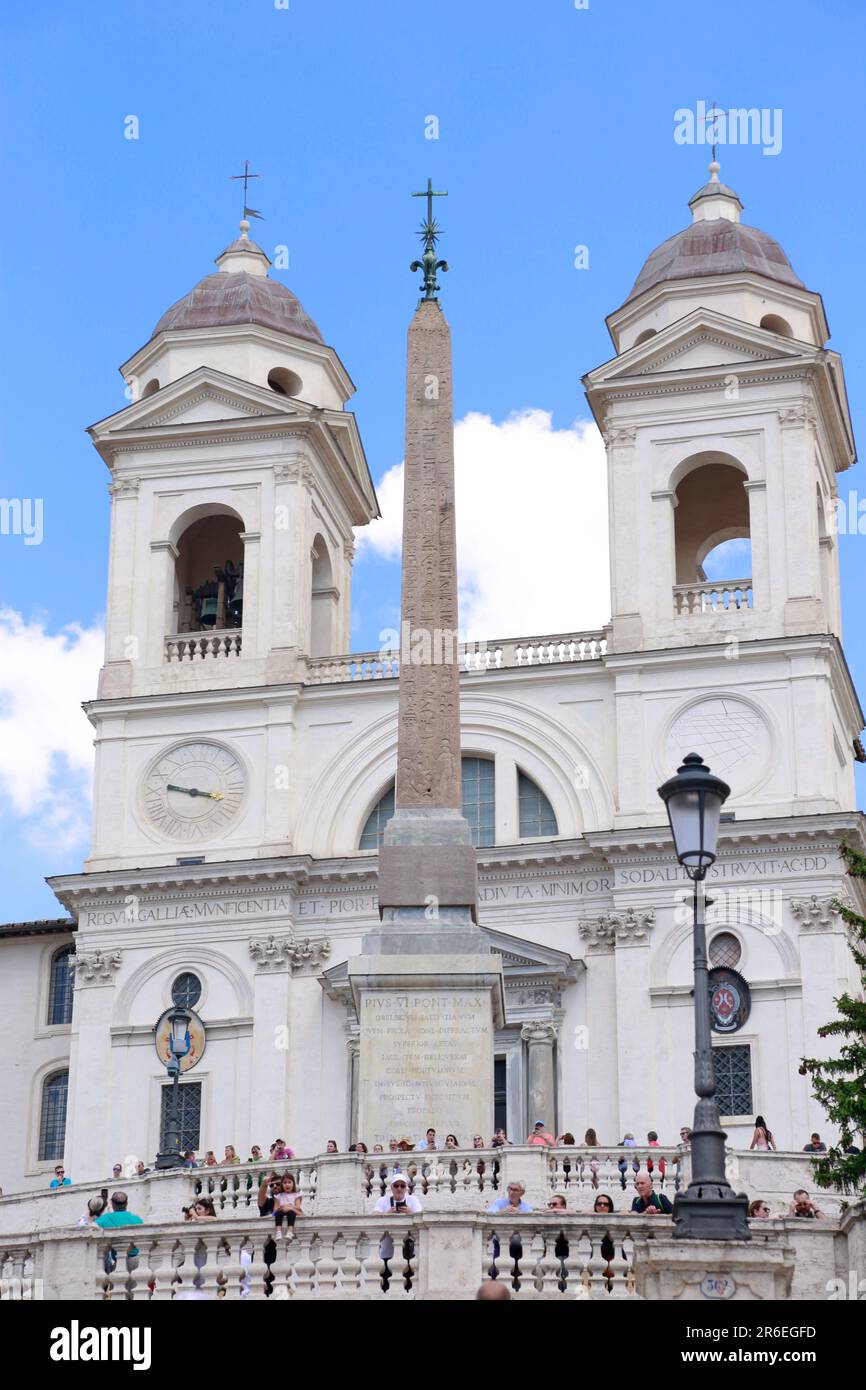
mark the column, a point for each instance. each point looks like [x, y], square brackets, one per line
[353, 1044]
[540, 1039]
[254, 627]
[159, 614]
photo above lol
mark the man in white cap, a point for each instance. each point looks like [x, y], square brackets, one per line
[399, 1202]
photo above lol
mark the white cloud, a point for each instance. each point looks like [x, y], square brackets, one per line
[532, 539]
[47, 762]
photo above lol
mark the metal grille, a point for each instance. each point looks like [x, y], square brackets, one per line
[478, 799]
[536, 813]
[52, 1121]
[725, 950]
[186, 991]
[733, 1070]
[189, 1095]
[60, 987]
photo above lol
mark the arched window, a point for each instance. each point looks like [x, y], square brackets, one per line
[371, 835]
[60, 987]
[186, 991]
[537, 816]
[773, 323]
[478, 806]
[323, 600]
[478, 799]
[52, 1117]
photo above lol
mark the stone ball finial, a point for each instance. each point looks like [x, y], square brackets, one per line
[714, 166]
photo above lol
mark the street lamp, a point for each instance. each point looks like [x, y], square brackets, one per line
[178, 1043]
[709, 1209]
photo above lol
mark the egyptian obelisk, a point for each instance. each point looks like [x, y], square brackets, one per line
[427, 990]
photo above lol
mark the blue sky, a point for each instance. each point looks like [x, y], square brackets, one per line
[555, 129]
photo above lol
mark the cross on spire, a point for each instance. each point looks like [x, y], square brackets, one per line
[430, 233]
[712, 116]
[246, 176]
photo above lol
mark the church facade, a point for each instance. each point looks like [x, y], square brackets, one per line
[245, 762]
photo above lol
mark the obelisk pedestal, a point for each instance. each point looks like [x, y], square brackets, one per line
[427, 990]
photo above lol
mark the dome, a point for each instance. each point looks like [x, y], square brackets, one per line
[240, 292]
[716, 243]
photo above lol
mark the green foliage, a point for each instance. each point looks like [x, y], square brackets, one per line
[840, 1083]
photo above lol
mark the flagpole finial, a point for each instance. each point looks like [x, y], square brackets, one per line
[245, 229]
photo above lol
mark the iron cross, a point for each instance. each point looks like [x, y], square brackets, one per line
[246, 176]
[429, 195]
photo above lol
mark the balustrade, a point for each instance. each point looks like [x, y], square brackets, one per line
[203, 646]
[721, 596]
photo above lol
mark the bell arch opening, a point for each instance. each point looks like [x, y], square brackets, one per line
[209, 574]
[712, 512]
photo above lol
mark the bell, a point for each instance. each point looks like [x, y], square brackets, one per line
[208, 610]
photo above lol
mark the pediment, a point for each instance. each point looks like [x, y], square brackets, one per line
[203, 396]
[703, 340]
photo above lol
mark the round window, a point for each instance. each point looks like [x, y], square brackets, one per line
[725, 950]
[186, 991]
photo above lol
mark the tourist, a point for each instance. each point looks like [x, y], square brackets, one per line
[267, 1187]
[119, 1214]
[60, 1179]
[203, 1210]
[499, 1140]
[590, 1139]
[377, 1149]
[685, 1137]
[393, 1146]
[117, 1172]
[189, 1159]
[405, 1145]
[287, 1205]
[647, 1201]
[557, 1202]
[280, 1150]
[140, 1170]
[358, 1148]
[428, 1142]
[210, 1160]
[477, 1141]
[230, 1154]
[451, 1141]
[493, 1291]
[759, 1210]
[815, 1146]
[255, 1154]
[628, 1142]
[603, 1205]
[653, 1142]
[95, 1207]
[540, 1137]
[513, 1204]
[803, 1206]
[567, 1138]
[400, 1201]
[762, 1137]
[331, 1147]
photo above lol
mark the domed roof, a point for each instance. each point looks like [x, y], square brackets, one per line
[240, 292]
[716, 243]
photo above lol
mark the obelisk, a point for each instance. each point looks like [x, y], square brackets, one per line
[427, 990]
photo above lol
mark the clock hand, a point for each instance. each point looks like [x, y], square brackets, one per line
[194, 791]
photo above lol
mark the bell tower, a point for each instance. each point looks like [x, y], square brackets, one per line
[237, 477]
[726, 422]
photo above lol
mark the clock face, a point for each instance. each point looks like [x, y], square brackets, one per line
[194, 791]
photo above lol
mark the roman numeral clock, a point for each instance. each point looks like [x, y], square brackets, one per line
[194, 791]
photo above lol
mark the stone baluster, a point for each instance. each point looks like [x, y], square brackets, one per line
[303, 1274]
[326, 1268]
[350, 1269]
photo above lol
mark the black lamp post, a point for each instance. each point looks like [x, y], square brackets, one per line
[178, 1041]
[709, 1209]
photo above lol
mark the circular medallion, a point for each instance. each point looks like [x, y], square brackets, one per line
[730, 1000]
[194, 791]
[195, 1038]
[731, 736]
